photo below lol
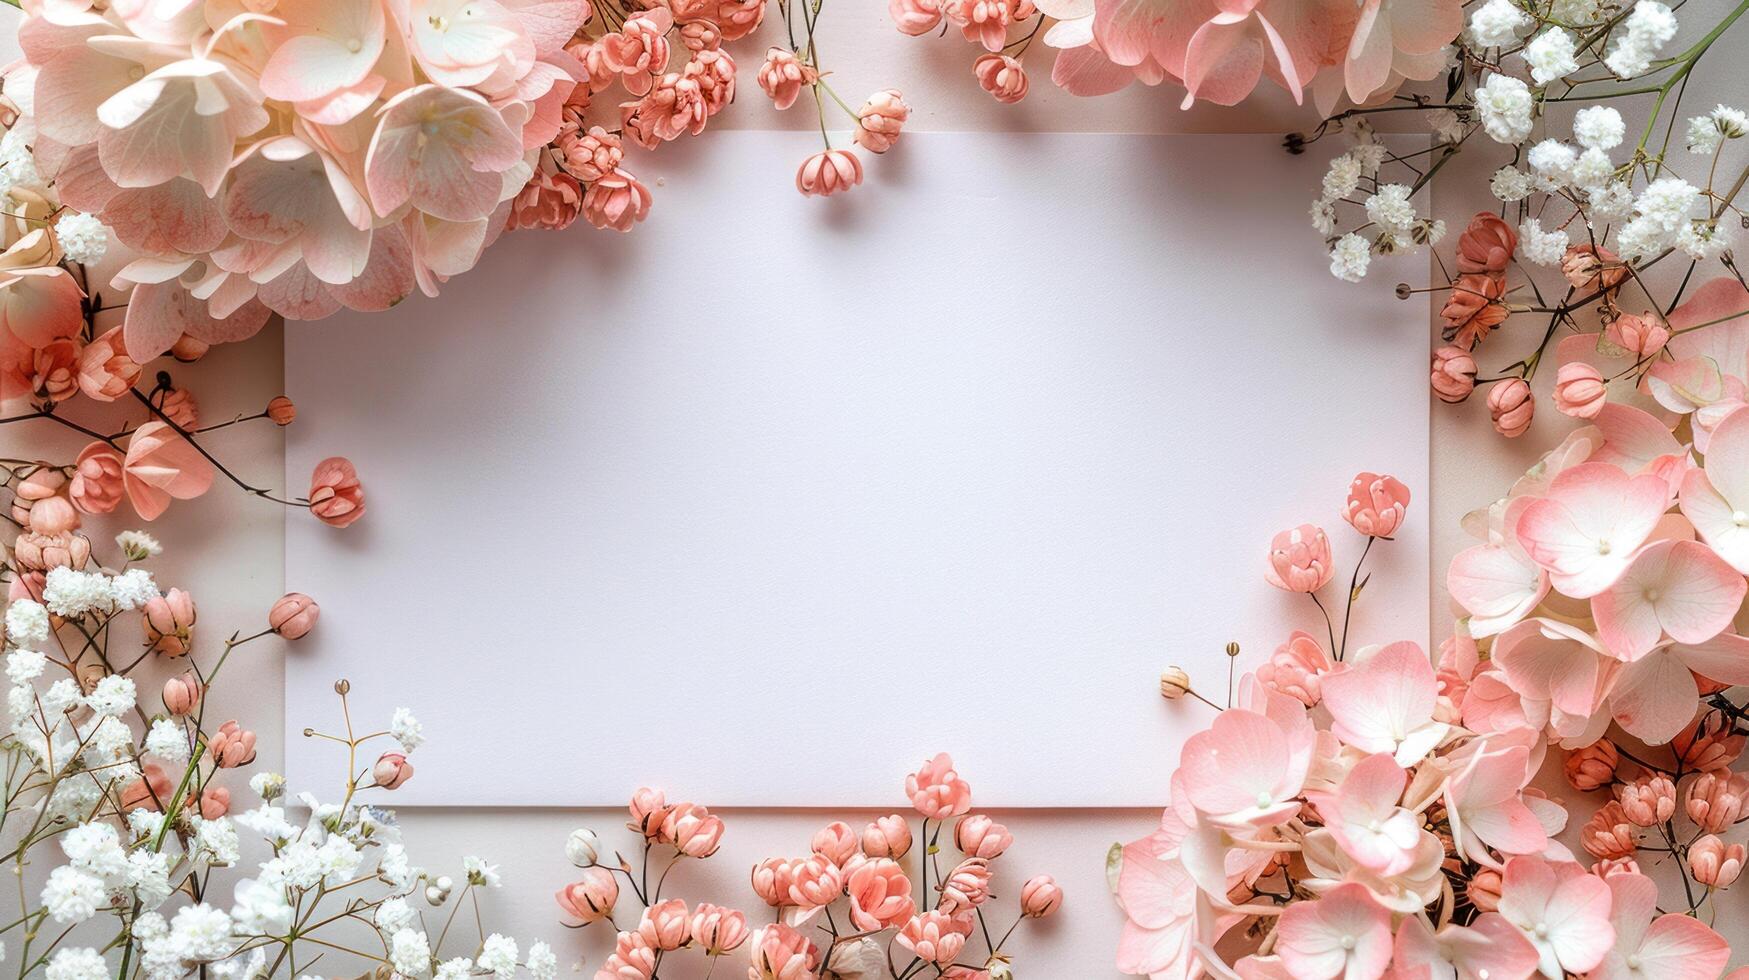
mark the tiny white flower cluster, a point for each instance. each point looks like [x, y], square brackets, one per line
[1647, 29]
[72, 593]
[1392, 223]
[1707, 133]
[1507, 108]
[1498, 23]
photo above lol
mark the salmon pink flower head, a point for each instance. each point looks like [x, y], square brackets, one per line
[734, 18]
[1579, 390]
[1002, 76]
[915, 17]
[149, 792]
[160, 465]
[212, 803]
[1295, 669]
[1040, 897]
[1709, 743]
[1487, 947]
[649, 809]
[1473, 309]
[814, 884]
[693, 830]
[232, 746]
[935, 937]
[168, 621]
[719, 930]
[836, 842]
[1641, 334]
[336, 496]
[1244, 769]
[1511, 406]
[782, 76]
[1717, 799]
[1299, 559]
[106, 372]
[1713, 863]
[888, 836]
[1649, 800]
[1593, 766]
[979, 836]
[182, 695]
[96, 487]
[293, 615]
[1609, 835]
[1385, 703]
[617, 201]
[1485, 247]
[590, 155]
[392, 770]
[966, 887]
[1563, 911]
[1589, 267]
[551, 201]
[880, 895]
[1587, 528]
[590, 898]
[1363, 815]
[665, 925]
[1454, 374]
[772, 879]
[1345, 933]
[937, 791]
[1647, 944]
[633, 958]
[881, 120]
[1376, 505]
[782, 953]
[828, 172]
[465, 148]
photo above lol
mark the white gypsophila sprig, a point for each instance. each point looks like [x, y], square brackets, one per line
[27, 622]
[138, 545]
[1642, 35]
[1551, 55]
[72, 594]
[132, 589]
[1498, 23]
[1507, 108]
[83, 238]
[406, 729]
[1599, 127]
[1349, 258]
[1542, 247]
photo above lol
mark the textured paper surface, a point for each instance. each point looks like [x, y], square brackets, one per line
[773, 498]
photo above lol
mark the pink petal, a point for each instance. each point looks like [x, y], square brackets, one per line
[1654, 697]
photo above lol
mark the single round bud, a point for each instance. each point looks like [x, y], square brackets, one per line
[1174, 683]
[281, 410]
[1233, 648]
[1040, 897]
[583, 847]
[293, 615]
[437, 889]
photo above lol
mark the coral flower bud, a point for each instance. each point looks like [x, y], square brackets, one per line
[169, 623]
[336, 496]
[966, 887]
[828, 172]
[591, 898]
[665, 925]
[1642, 335]
[293, 615]
[1609, 833]
[215, 802]
[783, 76]
[1511, 405]
[1174, 683]
[1300, 560]
[1593, 766]
[1579, 390]
[96, 487]
[1040, 896]
[772, 879]
[880, 120]
[888, 837]
[1589, 268]
[1454, 374]
[782, 953]
[1483, 890]
[719, 930]
[835, 842]
[1001, 76]
[1714, 863]
[281, 410]
[979, 836]
[937, 791]
[232, 746]
[392, 769]
[182, 695]
[649, 810]
[1717, 799]
[1376, 505]
[693, 830]
[1649, 800]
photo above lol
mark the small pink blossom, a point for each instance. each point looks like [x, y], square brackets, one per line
[828, 172]
[1587, 528]
[1511, 405]
[1385, 704]
[888, 836]
[96, 487]
[693, 830]
[719, 930]
[880, 895]
[336, 496]
[1563, 911]
[986, 22]
[937, 791]
[551, 200]
[1454, 374]
[293, 615]
[106, 372]
[392, 770]
[1300, 560]
[1376, 505]
[168, 621]
[665, 925]
[880, 121]
[772, 879]
[1579, 390]
[182, 695]
[836, 842]
[814, 883]
[1364, 816]
[638, 51]
[734, 18]
[1040, 897]
[1609, 834]
[1643, 335]
[1294, 669]
[160, 465]
[649, 810]
[915, 17]
[590, 899]
[1593, 766]
[1713, 863]
[979, 836]
[674, 106]
[1346, 933]
[1001, 76]
[782, 953]
[1649, 800]
[935, 937]
[232, 746]
[782, 76]
[1717, 799]
[616, 200]
[1647, 944]
[966, 887]
[590, 155]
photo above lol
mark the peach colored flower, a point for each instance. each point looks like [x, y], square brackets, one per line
[182, 694]
[43, 483]
[1579, 390]
[675, 105]
[979, 836]
[633, 958]
[168, 620]
[232, 746]
[782, 953]
[96, 487]
[649, 809]
[1511, 406]
[835, 842]
[693, 830]
[937, 791]
[1001, 76]
[1486, 246]
[214, 802]
[986, 22]
[616, 200]
[734, 18]
[772, 879]
[829, 172]
[52, 515]
[1040, 896]
[1605, 867]
[1300, 560]
[591, 898]
[638, 51]
[935, 937]
[161, 465]
[719, 930]
[49, 373]
[1713, 863]
[1609, 833]
[915, 17]
[1473, 309]
[880, 895]
[1708, 744]
[700, 35]
[336, 496]
[665, 925]
[590, 155]
[714, 71]
[1454, 374]
[281, 410]
[888, 836]
[782, 76]
[178, 405]
[1717, 799]
[880, 121]
[149, 792]
[293, 615]
[39, 552]
[1589, 268]
[1294, 669]
[814, 883]
[106, 372]
[966, 887]
[551, 200]
[1640, 334]
[1593, 766]
[391, 770]
[1376, 505]
[1649, 800]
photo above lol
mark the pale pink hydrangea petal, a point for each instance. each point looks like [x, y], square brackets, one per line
[1554, 662]
[1562, 910]
[285, 191]
[1239, 768]
[1487, 947]
[1497, 584]
[173, 217]
[184, 118]
[1669, 947]
[1364, 815]
[1485, 806]
[297, 294]
[343, 105]
[324, 47]
[1679, 588]
[1716, 497]
[1632, 438]
[549, 23]
[464, 147]
[1725, 341]
[1585, 530]
[1655, 697]
[1346, 934]
[387, 277]
[1385, 704]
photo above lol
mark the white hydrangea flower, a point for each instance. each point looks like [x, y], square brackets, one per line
[72, 593]
[78, 963]
[112, 695]
[406, 730]
[1554, 161]
[138, 545]
[1642, 238]
[1349, 258]
[1639, 39]
[1342, 178]
[542, 964]
[27, 622]
[410, 953]
[71, 895]
[82, 237]
[1390, 209]
[1551, 55]
[1506, 107]
[61, 696]
[1498, 23]
[1539, 246]
[498, 955]
[24, 666]
[1599, 127]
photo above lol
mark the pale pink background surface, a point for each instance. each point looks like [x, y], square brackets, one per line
[230, 550]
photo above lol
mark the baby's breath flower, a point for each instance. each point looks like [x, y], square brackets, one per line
[1550, 56]
[1498, 23]
[27, 622]
[1349, 258]
[1645, 32]
[138, 545]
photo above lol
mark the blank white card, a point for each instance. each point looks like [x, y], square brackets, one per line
[773, 498]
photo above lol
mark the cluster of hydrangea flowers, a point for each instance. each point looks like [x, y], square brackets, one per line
[293, 158]
[839, 911]
[1004, 29]
[1369, 814]
[1543, 80]
[145, 846]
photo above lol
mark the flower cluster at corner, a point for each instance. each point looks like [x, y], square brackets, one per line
[839, 912]
[1369, 813]
[165, 856]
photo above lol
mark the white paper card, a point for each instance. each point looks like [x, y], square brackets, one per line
[773, 498]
